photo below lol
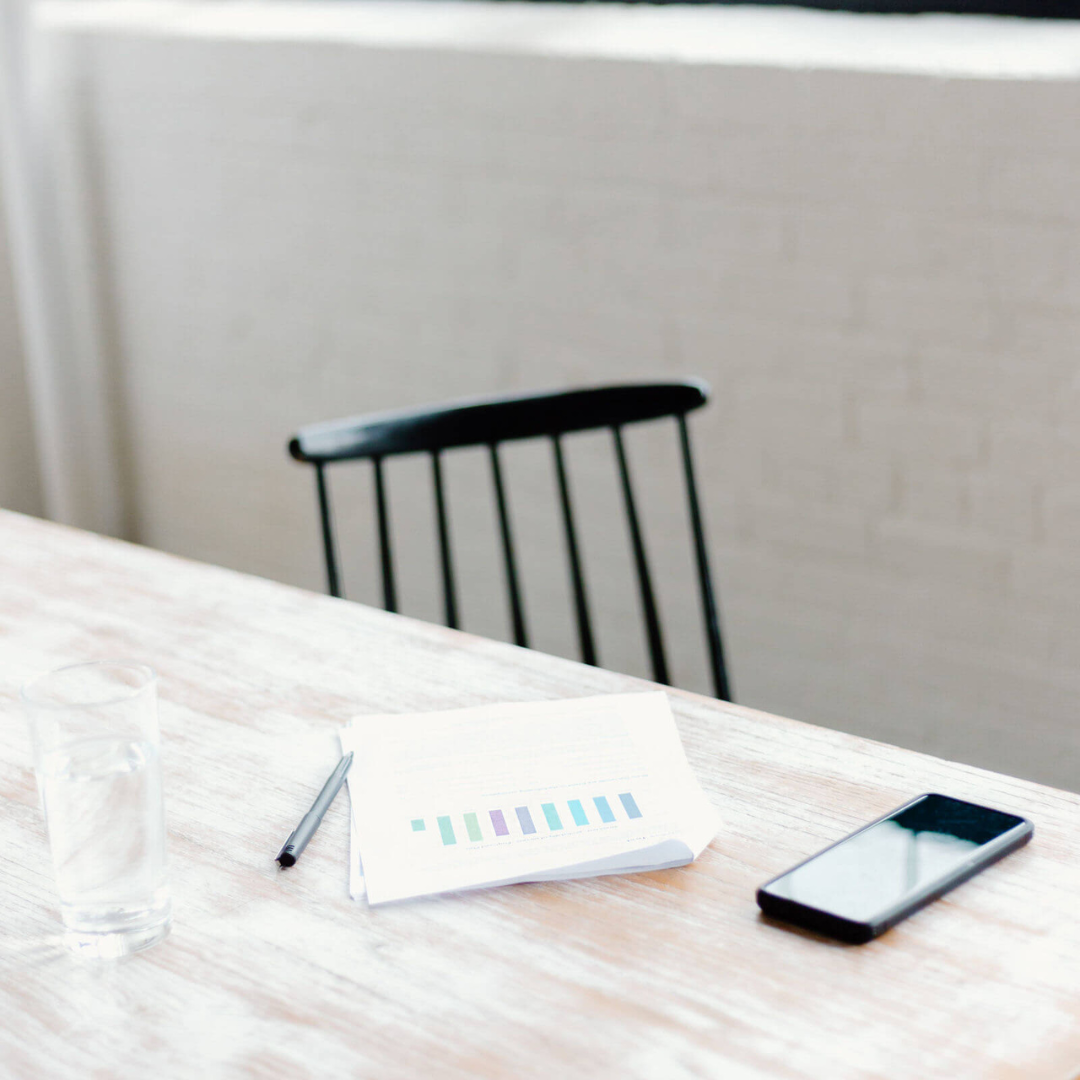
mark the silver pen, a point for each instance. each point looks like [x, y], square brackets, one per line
[298, 839]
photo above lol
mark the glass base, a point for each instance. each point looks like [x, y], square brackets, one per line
[116, 944]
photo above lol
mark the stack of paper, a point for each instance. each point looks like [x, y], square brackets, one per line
[533, 791]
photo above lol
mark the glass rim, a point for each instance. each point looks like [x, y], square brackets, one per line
[27, 695]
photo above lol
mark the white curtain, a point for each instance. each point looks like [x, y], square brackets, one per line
[56, 290]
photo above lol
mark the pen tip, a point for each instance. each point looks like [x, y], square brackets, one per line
[286, 859]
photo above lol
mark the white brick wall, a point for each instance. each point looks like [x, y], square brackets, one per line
[877, 270]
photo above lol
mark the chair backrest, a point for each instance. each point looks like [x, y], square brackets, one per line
[495, 420]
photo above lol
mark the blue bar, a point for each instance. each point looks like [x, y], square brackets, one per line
[578, 812]
[447, 831]
[552, 815]
[525, 820]
[629, 805]
[605, 810]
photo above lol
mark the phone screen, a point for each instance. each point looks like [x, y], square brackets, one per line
[875, 869]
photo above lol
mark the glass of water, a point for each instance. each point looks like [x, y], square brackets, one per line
[94, 729]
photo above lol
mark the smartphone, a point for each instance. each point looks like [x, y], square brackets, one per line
[860, 886]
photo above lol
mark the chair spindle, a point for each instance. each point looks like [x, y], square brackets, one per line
[648, 598]
[517, 614]
[708, 596]
[385, 554]
[449, 586]
[581, 605]
[333, 577]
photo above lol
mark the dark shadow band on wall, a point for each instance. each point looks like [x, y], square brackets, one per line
[1028, 9]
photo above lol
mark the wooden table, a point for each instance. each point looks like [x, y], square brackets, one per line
[665, 975]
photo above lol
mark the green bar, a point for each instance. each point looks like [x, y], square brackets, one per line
[418, 825]
[447, 831]
[472, 826]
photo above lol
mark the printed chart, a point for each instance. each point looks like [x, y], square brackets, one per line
[474, 826]
[521, 791]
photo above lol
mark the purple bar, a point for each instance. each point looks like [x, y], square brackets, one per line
[498, 822]
[525, 818]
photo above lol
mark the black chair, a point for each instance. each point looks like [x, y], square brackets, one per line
[490, 422]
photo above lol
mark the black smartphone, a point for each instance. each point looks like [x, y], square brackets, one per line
[860, 886]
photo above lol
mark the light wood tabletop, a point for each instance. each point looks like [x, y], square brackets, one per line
[662, 975]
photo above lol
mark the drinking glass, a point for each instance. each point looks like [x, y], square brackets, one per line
[94, 729]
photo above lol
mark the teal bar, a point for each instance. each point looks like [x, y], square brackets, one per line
[552, 815]
[418, 825]
[578, 812]
[472, 827]
[605, 810]
[447, 831]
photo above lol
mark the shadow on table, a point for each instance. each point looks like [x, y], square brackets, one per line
[791, 928]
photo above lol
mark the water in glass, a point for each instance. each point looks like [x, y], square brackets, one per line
[103, 809]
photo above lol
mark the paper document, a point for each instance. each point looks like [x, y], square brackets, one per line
[529, 791]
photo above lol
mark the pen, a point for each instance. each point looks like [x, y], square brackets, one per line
[298, 839]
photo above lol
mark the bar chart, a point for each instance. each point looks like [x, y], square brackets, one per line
[536, 820]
